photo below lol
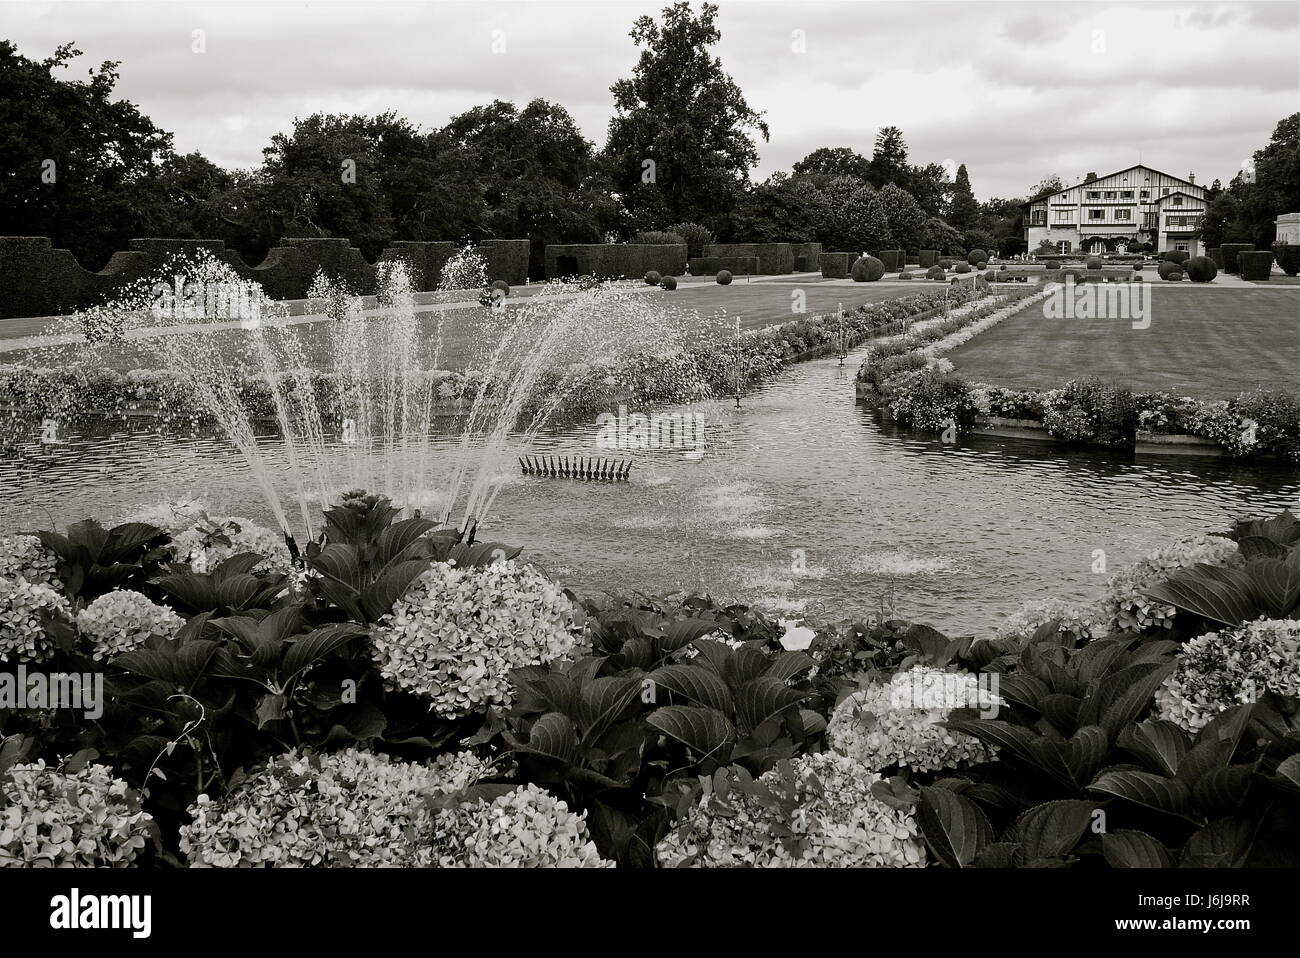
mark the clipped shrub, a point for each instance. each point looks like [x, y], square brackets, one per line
[1255, 264]
[695, 236]
[668, 282]
[1094, 262]
[905, 274]
[977, 256]
[893, 259]
[947, 262]
[1201, 269]
[659, 238]
[927, 257]
[502, 285]
[835, 265]
[867, 269]
[962, 267]
[1175, 256]
[991, 276]
[981, 264]
[1175, 276]
[935, 272]
[1137, 267]
[724, 277]
[652, 278]
[1230, 252]
[1216, 254]
[1288, 257]
[1165, 268]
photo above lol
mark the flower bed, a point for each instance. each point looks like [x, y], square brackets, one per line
[405, 699]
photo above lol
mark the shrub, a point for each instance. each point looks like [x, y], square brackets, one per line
[660, 238]
[1276, 415]
[814, 811]
[652, 278]
[976, 256]
[905, 274]
[502, 285]
[123, 620]
[1094, 262]
[436, 643]
[1201, 269]
[1216, 254]
[1230, 251]
[23, 557]
[946, 262]
[930, 399]
[1255, 264]
[867, 269]
[991, 275]
[1089, 410]
[962, 267]
[1288, 257]
[695, 236]
[77, 815]
[981, 264]
[1125, 605]
[668, 282]
[892, 260]
[1175, 276]
[724, 277]
[527, 827]
[349, 808]
[835, 265]
[935, 272]
[926, 258]
[25, 610]
[1165, 268]
[1175, 256]
[899, 723]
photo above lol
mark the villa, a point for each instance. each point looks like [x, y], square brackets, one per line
[1116, 212]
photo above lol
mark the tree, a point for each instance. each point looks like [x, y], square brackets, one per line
[963, 211]
[829, 161]
[930, 187]
[905, 216]
[1046, 187]
[778, 210]
[79, 166]
[1245, 212]
[889, 159]
[681, 125]
[857, 223]
[939, 235]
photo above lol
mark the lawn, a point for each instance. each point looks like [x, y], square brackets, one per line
[1207, 343]
[697, 308]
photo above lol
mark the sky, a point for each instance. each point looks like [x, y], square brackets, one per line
[1016, 91]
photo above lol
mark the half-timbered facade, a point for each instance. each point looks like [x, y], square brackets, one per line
[1117, 212]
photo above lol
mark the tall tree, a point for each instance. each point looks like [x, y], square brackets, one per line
[963, 211]
[930, 187]
[905, 216]
[681, 126]
[889, 159]
[828, 161]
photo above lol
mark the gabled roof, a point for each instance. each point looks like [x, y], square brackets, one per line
[1135, 166]
[1190, 196]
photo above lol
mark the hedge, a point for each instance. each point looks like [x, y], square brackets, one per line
[774, 259]
[709, 265]
[1176, 256]
[1288, 257]
[835, 265]
[927, 258]
[1216, 254]
[1230, 251]
[893, 260]
[1255, 264]
[806, 257]
[614, 260]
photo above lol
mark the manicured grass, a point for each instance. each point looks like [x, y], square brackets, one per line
[770, 304]
[1205, 343]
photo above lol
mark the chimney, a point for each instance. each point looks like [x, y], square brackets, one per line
[1191, 177]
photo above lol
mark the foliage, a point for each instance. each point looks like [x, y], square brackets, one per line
[1255, 264]
[1288, 257]
[1090, 410]
[929, 399]
[1201, 269]
[658, 237]
[867, 269]
[724, 277]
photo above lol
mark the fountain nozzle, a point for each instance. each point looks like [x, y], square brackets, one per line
[295, 554]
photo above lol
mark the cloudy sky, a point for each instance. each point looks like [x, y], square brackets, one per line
[1016, 91]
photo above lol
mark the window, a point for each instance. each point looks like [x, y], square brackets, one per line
[1126, 194]
[1123, 214]
[1181, 246]
[1063, 246]
[1164, 191]
[1038, 218]
[1096, 214]
[1110, 194]
[1094, 195]
[1177, 201]
[1146, 194]
[1064, 216]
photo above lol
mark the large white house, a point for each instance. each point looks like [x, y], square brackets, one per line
[1118, 211]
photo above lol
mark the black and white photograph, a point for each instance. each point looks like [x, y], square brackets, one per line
[650, 435]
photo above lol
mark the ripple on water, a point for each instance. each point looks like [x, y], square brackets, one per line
[899, 564]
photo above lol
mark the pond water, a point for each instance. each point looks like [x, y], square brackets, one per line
[804, 503]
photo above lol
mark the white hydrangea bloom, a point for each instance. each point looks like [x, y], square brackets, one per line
[1221, 669]
[201, 545]
[23, 605]
[456, 633]
[122, 620]
[897, 723]
[527, 827]
[57, 819]
[1124, 607]
[1030, 616]
[830, 808]
[24, 557]
[348, 808]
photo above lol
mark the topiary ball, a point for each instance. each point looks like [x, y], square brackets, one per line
[976, 256]
[867, 269]
[1094, 262]
[652, 278]
[1201, 269]
[1165, 267]
[962, 268]
[982, 264]
[905, 275]
[502, 285]
[1176, 256]
[991, 275]
[724, 277]
[668, 282]
[1175, 275]
[935, 272]
[1137, 267]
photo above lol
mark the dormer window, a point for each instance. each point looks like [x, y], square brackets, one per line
[1178, 201]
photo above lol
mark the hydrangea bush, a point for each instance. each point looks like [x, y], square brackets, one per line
[898, 723]
[24, 557]
[55, 818]
[25, 607]
[457, 632]
[1125, 607]
[815, 811]
[122, 620]
[349, 808]
[1221, 669]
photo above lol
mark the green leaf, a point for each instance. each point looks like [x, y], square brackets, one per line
[705, 732]
[1275, 584]
[1224, 843]
[319, 644]
[1212, 592]
[954, 828]
[1221, 791]
[271, 708]
[604, 701]
[1167, 795]
[1133, 697]
[1051, 830]
[553, 736]
[1162, 743]
[763, 698]
[378, 599]
[788, 664]
[745, 664]
[1133, 849]
[700, 686]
